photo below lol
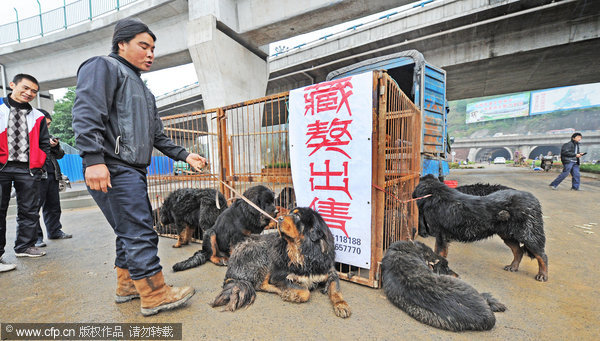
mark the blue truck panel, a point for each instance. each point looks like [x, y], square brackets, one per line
[425, 84]
[433, 109]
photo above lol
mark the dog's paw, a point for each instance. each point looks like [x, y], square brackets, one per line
[292, 278]
[342, 309]
[295, 295]
[220, 261]
[541, 277]
[511, 268]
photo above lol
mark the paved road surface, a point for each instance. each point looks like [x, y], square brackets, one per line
[75, 282]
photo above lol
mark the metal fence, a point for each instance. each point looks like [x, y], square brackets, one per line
[57, 19]
[247, 144]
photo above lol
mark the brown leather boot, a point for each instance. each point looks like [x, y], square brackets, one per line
[157, 296]
[125, 288]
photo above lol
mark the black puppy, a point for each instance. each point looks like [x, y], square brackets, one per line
[191, 211]
[415, 280]
[234, 225]
[515, 216]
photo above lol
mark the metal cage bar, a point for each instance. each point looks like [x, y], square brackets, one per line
[247, 144]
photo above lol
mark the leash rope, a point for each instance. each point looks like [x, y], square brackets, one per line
[244, 198]
[402, 201]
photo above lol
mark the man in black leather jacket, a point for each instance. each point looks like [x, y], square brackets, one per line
[569, 155]
[116, 125]
[49, 192]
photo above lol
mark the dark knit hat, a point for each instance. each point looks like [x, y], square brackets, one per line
[126, 29]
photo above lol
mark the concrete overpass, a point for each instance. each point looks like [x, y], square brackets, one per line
[528, 145]
[225, 39]
[487, 47]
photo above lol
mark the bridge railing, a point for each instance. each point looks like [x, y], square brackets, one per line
[57, 19]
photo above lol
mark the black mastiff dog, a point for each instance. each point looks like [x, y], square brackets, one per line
[416, 280]
[234, 225]
[191, 211]
[515, 216]
[292, 263]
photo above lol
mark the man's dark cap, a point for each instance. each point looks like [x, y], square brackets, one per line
[126, 29]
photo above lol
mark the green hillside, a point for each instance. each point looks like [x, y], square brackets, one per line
[580, 120]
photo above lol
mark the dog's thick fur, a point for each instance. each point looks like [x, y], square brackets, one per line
[515, 216]
[191, 211]
[234, 225]
[481, 189]
[298, 259]
[416, 280]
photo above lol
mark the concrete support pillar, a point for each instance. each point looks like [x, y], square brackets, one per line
[228, 73]
[473, 153]
[526, 150]
[510, 153]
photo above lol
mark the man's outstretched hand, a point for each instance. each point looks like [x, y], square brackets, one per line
[196, 161]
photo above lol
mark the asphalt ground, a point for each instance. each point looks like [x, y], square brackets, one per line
[75, 281]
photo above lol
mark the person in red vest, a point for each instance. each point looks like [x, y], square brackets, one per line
[24, 143]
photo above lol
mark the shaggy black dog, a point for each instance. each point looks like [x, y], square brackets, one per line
[191, 211]
[292, 263]
[286, 200]
[234, 225]
[515, 216]
[480, 189]
[415, 280]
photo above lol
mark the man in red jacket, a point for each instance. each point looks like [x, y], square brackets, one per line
[24, 143]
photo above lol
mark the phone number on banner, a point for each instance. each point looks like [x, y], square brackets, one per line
[347, 244]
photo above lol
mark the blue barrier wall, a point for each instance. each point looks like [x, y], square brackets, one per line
[160, 165]
[70, 165]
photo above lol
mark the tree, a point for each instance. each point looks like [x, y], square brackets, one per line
[62, 120]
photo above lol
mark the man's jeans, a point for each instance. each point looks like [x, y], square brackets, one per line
[127, 208]
[26, 184]
[569, 168]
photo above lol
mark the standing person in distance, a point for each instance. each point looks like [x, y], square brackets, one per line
[49, 192]
[570, 155]
[116, 126]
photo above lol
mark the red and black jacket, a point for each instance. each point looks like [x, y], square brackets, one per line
[39, 138]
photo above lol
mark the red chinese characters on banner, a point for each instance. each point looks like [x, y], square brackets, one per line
[328, 175]
[328, 96]
[334, 213]
[331, 135]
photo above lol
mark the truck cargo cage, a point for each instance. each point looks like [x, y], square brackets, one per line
[247, 144]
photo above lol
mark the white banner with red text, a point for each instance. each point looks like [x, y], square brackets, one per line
[330, 129]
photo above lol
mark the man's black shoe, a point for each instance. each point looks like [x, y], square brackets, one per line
[62, 235]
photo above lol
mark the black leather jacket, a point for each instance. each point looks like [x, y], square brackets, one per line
[567, 152]
[115, 119]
